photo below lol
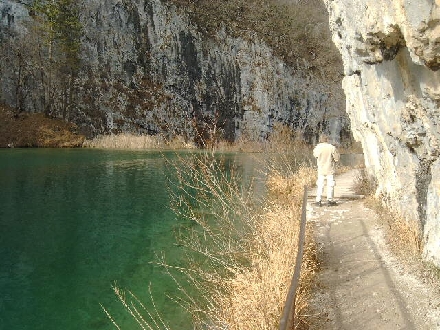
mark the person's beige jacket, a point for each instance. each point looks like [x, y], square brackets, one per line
[327, 156]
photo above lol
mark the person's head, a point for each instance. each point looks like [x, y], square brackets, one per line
[323, 138]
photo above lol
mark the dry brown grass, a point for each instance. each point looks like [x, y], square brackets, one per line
[131, 141]
[258, 252]
[36, 130]
[286, 188]
[403, 236]
[240, 248]
[354, 148]
[364, 183]
[404, 240]
[282, 140]
[287, 183]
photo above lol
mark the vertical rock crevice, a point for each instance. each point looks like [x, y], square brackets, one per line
[423, 181]
[147, 68]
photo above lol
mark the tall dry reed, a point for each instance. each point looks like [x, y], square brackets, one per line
[240, 247]
[281, 140]
[131, 141]
[250, 244]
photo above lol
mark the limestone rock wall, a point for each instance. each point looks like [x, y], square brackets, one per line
[391, 55]
[145, 68]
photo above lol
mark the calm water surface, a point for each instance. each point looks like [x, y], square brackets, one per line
[74, 222]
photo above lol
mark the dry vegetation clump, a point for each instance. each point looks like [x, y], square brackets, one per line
[254, 244]
[364, 183]
[131, 141]
[288, 182]
[36, 130]
[403, 236]
[285, 186]
[282, 140]
[240, 244]
[285, 140]
[354, 148]
[405, 242]
[241, 145]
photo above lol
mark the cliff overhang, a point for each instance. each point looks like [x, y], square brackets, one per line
[391, 56]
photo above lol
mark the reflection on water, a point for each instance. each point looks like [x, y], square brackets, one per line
[74, 222]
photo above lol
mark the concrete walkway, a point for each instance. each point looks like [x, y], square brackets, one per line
[344, 189]
[361, 285]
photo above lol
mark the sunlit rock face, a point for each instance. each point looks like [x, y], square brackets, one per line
[391, 58]
[145, 68]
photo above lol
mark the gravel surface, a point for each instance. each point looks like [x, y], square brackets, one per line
[362, 284]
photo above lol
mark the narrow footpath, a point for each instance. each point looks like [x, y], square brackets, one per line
[361, 285]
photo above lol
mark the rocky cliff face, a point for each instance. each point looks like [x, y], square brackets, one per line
[145, 68]
[391, 54]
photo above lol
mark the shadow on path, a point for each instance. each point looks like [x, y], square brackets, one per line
[357, 290]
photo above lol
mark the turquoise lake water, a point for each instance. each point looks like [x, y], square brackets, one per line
[74, 222]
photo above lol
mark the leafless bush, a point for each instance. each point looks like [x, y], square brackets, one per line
[365, 184]
[240, 247]
[248, 244]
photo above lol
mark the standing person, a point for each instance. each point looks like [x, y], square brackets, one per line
[327, 155]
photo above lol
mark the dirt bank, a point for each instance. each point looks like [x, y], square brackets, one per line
[36, 130]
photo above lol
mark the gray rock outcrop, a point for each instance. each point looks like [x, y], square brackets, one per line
[391, 55]
[145, 68]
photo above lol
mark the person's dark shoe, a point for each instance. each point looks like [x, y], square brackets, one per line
[332, 203]
[318, 203]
